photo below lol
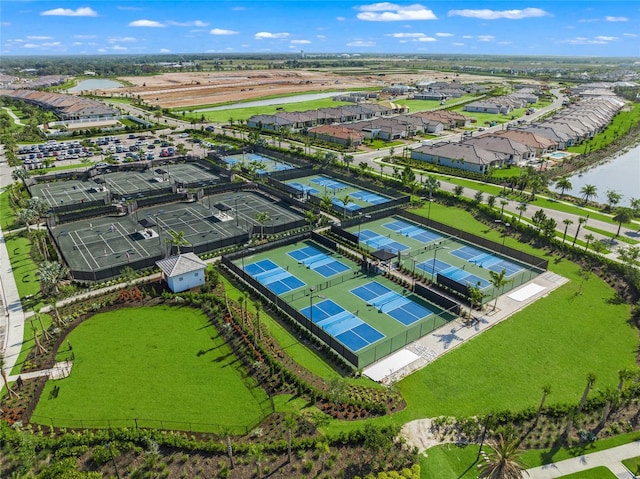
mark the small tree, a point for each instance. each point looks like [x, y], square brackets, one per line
[262, 218]
[567, 222]
[623, 215]
[498, 281]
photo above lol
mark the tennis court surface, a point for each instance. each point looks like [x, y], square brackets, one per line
[396, 305]
[377, 241]
[410, 230]
[452, 272]
[486, 260]
[318, 261]
[273, 276]
[346, 327]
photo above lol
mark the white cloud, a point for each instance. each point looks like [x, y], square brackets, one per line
[195, 23]
[121, 39]
[340, 19]
[585, 41]
[321, 37]
[269, 35]
[486, 14]
[146, 23]
[427, 39]
[222, 31]
[467, 37]
[165, 50]
[391, 12]
[606, 39]
[31, 45]
[616, 19]
[85, 37]
[52, 44]
[38, 37]
[405, 35]
[77, 44]
[300, 42]
[67, 12]
[119, 48]
[361, 43]
[632, 35]
[486, 38]
[443, 34]
[458, 44]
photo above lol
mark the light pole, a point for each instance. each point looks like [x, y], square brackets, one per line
[484, 433]
[250, 250]
[435, 252]
[236, 202]
[311, 290]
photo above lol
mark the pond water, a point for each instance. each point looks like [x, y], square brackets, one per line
[96, 84]
[620, 174]
[275, 101]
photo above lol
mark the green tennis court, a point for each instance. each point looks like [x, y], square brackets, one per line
[368, 314]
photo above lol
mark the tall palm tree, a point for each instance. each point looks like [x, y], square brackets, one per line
[564, 184]
[546, 390]
[613, 198]
[498, 281]
[345, 201]
[262, 218]
[589, 237]
[581, 221]
[522, 207]
[26, 217]
[503, 203]
[623, 215]
[19, 174]
[326, 203]
[623, 376]
[567, 222]
[591, 379]
[431, 184]
[588, 192]
[177, 239]
[347, 159]
[504, 460]
[256, 335]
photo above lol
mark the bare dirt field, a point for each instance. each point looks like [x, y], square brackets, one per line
[176, 90]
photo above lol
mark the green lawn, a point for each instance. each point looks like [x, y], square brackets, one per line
[450, 461]
[633, 464]
[595, 473]
[7, 218]
[24, 269]
[543, 344]
[161, 363]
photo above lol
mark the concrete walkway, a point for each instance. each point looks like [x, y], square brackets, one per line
[610, 458]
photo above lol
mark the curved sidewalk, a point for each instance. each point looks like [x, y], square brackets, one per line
[610, 458]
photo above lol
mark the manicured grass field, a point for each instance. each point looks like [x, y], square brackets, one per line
[551, 342]
[24, 269]
[7, 218]
[595, 473]
[633, 464]
[450, 461]
[162, 363]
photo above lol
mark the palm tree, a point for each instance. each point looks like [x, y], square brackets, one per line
[256, 452]
[326, 203]
[588, 191]
[177, 239]
[623, 376]
[591, 379]
[504, 461]
[19, 174]
[623, 215]
[345, 201]
[613, 198]
[546, 390]
[566, 222]
[290, 422]
[322, 447]
[498, 281]
[256, 335]
[51, 273]
[581, 221]
[589, 237]
[26, 217]
[262, 218]
[347, 159]
[522, 207]
[311, 217]
[503, 203]
[564, 184]
[458, 190]
[431, 184]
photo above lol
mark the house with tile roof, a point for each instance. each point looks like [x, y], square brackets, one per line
[183, 271]
[462, 156]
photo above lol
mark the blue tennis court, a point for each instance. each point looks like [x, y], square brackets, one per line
[340, 204]
[328, 183]
[412, 231]
[318, 261]
[304, 188]
[369, 197]
[433, 266]
[273, 276]
[487, 260]
[346, 327]
[390, 302]
[377, 241]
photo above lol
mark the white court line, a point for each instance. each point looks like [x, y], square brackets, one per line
[80, 251]
[119, 229]
[204, 219]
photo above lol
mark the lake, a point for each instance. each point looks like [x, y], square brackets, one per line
[96, 84]
[620, 174]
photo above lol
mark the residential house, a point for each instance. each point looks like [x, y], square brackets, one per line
[337, 134]
[539, 144]
[512, 151]
[467, 157]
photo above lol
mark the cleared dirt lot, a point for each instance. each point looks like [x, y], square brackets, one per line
[175, 90]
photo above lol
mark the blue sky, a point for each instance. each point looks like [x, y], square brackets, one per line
[518, 27]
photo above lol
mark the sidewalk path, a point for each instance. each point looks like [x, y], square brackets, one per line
[610, 458]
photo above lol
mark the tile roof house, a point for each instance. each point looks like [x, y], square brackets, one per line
[183, 271]
[538, 143]
[338, 134]
[512, 151]
[462, 156]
